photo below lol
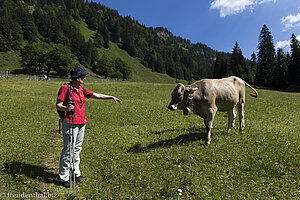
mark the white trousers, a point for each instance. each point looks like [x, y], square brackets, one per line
[64, 163]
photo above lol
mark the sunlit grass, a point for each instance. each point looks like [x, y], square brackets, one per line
[141, 150]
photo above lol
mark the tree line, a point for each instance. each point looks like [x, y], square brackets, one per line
[47, 33]
[269, 68]
[172, 55]
[56, 22]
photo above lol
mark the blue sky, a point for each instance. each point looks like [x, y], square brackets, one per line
[217, 23]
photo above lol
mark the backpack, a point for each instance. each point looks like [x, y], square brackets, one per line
[62, 113]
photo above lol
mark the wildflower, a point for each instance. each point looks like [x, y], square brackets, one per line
[179, 192]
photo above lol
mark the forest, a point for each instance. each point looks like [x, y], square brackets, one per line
[269, 68]
[47, 34]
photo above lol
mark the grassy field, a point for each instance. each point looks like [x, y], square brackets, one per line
[140, 150]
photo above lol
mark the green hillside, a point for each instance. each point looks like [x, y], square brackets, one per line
[57, 35]
[139, 73]
[11, 61]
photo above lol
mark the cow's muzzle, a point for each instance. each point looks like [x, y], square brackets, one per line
[172, 107]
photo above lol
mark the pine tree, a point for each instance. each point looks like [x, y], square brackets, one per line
[253, 63]
[294, 68]
[122, 69]
[98, 40]
[11, 34]
[220, 69]
[237, 62]
[128, 44]
[265, 58]
[281, 71]
[252, 69]
[116, 32]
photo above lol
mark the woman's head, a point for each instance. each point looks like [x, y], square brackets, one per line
[78, 74]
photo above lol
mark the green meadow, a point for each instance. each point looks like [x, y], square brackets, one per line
[141, 150]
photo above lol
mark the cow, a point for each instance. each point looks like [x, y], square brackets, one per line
[207, 96]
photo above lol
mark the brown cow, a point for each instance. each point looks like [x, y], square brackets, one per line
[207, 96]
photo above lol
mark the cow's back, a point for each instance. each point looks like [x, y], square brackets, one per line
[222, 93]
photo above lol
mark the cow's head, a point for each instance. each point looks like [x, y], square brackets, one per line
[180, 97]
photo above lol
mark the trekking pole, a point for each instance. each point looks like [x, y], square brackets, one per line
[72, 152]
[59, 125]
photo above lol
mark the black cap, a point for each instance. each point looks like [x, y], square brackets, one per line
[77, 72]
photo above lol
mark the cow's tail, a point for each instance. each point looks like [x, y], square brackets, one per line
[253, 95]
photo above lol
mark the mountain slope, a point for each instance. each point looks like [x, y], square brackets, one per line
[57, 22]
[139, 72]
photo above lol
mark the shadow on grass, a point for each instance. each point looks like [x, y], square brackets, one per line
[31, 171]
[191, 136]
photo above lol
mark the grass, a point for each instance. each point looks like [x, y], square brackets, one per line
[140, 150]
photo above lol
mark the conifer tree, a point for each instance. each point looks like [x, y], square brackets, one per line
[220, 69]
[11, 34]
[237, 62]
[116, 32]
[265, 58]
[281, 71]
[294, 68]
[253, 63]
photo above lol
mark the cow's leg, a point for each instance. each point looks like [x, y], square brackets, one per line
[241, 116]
[209, 123]
[231, 119]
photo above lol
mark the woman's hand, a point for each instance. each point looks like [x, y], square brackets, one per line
[103, 96]
[61, 107]
[116, 100]
[70, 106]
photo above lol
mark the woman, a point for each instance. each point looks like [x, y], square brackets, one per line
[78, 120]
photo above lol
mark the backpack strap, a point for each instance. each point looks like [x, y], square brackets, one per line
[69, 92]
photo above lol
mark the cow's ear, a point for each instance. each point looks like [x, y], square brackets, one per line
[180, 87]
[192, 90]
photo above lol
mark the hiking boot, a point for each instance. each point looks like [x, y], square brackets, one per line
[65, 183]
[79, 179]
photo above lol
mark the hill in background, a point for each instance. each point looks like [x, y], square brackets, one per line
[97, 36]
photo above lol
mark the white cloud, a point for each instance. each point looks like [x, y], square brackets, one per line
[285, 44]
[232, 7]
[266, 1]
[290, 21]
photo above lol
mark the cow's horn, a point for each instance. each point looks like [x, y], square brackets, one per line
[192, 90]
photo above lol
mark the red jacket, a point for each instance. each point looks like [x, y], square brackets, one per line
[79, 98]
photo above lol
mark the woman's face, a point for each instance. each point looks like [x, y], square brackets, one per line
[81, 79]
